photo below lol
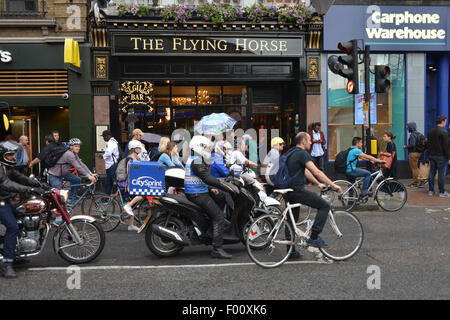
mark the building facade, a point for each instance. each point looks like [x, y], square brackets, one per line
[42, 93]
[414, 42]
[160, 74]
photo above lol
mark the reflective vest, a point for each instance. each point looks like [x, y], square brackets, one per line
[192, 183]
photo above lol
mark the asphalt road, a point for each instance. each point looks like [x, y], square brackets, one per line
[410, 249]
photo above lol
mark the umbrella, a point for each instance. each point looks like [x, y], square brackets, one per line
[151, 137]
[214, 124]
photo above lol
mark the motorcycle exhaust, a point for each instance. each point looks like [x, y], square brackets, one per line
[169, 235]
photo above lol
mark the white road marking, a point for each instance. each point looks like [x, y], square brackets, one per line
[93, 268]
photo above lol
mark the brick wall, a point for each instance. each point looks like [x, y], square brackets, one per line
[62, 18]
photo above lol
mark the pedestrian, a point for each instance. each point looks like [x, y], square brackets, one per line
[169, 156]
[318, 148]
[137, 135]
[50, 145]
[111, 157]
[391, 151]
[56, 137]
[414, 154]
[23, 159]
[439, 155]
[60, 171]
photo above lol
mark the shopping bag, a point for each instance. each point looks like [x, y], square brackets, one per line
[424, 171]
[388, 159]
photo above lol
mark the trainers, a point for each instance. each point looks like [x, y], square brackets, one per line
[412, 186]
[295, 256]
[128, 210]
[431, 193]
[444, 195]
[422, 183]
[318, 243]
[133, 228]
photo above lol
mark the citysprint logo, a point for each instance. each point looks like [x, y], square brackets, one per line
[148, 182]
[397, 30]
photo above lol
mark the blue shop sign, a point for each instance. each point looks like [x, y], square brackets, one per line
[389, 28]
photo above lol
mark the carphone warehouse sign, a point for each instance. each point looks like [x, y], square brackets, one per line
[389, 28]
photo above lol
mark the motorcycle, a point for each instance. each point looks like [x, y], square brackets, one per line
[181, 223]
[79, 239]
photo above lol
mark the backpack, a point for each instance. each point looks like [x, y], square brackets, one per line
[121, 171]
[340, 163]
[281, 179]
[53, 156]
[421, 142]
[121, 154]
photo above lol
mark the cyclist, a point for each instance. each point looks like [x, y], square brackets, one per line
[60, 172]
[352, 171]
[238, 159]
[301, 167]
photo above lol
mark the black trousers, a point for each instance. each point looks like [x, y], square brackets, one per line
[207, 203]
[312, 200]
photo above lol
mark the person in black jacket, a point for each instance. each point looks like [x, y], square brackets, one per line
[198, 184]
[11, 182]
[439, 155]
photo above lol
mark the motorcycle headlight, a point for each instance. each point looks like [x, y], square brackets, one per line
[64, 195]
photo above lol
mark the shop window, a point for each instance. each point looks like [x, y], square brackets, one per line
[235, 95]
[207, 95]
[161, 95]
[183, 96]
[388, 109]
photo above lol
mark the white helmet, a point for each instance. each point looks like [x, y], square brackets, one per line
[201, 146]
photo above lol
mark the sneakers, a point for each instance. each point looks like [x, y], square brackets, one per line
[133, 228]
[444, 195]
[422, 183]
[295, 256]
[413, 186]
[430, 193]
[7, 270]
[128, 210]
[318, 243]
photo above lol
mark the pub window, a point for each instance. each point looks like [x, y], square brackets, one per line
[207, 95]
[388, 109]
[22, 5]
[183, 96]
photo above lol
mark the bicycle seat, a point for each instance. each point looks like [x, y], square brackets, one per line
[283, 191]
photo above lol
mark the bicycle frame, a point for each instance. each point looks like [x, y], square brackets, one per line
[88, 190]
[375, 175]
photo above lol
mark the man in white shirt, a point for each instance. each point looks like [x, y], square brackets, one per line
[238, 160]
[111, 157]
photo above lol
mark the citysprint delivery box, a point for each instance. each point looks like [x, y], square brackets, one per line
[146, 178]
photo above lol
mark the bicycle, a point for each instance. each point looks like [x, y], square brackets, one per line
[84, 198]
[108, 210]
[271, 238]
[390, 194]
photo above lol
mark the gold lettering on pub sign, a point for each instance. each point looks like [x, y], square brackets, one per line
[233, 45]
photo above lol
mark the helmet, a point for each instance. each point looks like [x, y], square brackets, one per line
[74, 141]
[8, 148]
[201, 146]
[275, 141]
[134, 144]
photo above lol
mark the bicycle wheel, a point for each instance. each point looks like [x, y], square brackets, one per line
[106, 211]
[345, 200]
[87, 200]
[270, 241]
[391, 195]
[344, 236]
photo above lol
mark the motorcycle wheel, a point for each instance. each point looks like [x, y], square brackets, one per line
[159, 246]
[93, 244]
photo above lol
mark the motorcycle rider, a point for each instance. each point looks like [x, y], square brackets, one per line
[11, 182]
[198, 182]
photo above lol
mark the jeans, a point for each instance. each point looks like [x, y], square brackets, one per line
[319, 162]
[110, 178]
[56, 182]
[439, 164]
[351, 176]
[312, 200]
[8, 219]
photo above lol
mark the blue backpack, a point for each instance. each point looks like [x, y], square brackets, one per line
[281, 179]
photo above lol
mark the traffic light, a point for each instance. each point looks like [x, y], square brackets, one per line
[337, 64]
[382, 84]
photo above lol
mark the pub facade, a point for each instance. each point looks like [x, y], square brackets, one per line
[160, 74]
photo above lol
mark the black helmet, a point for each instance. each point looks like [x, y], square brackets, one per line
[6, 148]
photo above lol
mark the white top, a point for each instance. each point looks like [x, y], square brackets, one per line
[272, 161]
[317, 150]
[143, 156]
[237, 160]
[111, 154]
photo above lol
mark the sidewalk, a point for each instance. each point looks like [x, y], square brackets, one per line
[420, 197]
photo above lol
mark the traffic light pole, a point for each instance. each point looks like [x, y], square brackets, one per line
[367, 95]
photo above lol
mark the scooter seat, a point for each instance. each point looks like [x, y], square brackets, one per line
[283, 191]
[181, 199]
